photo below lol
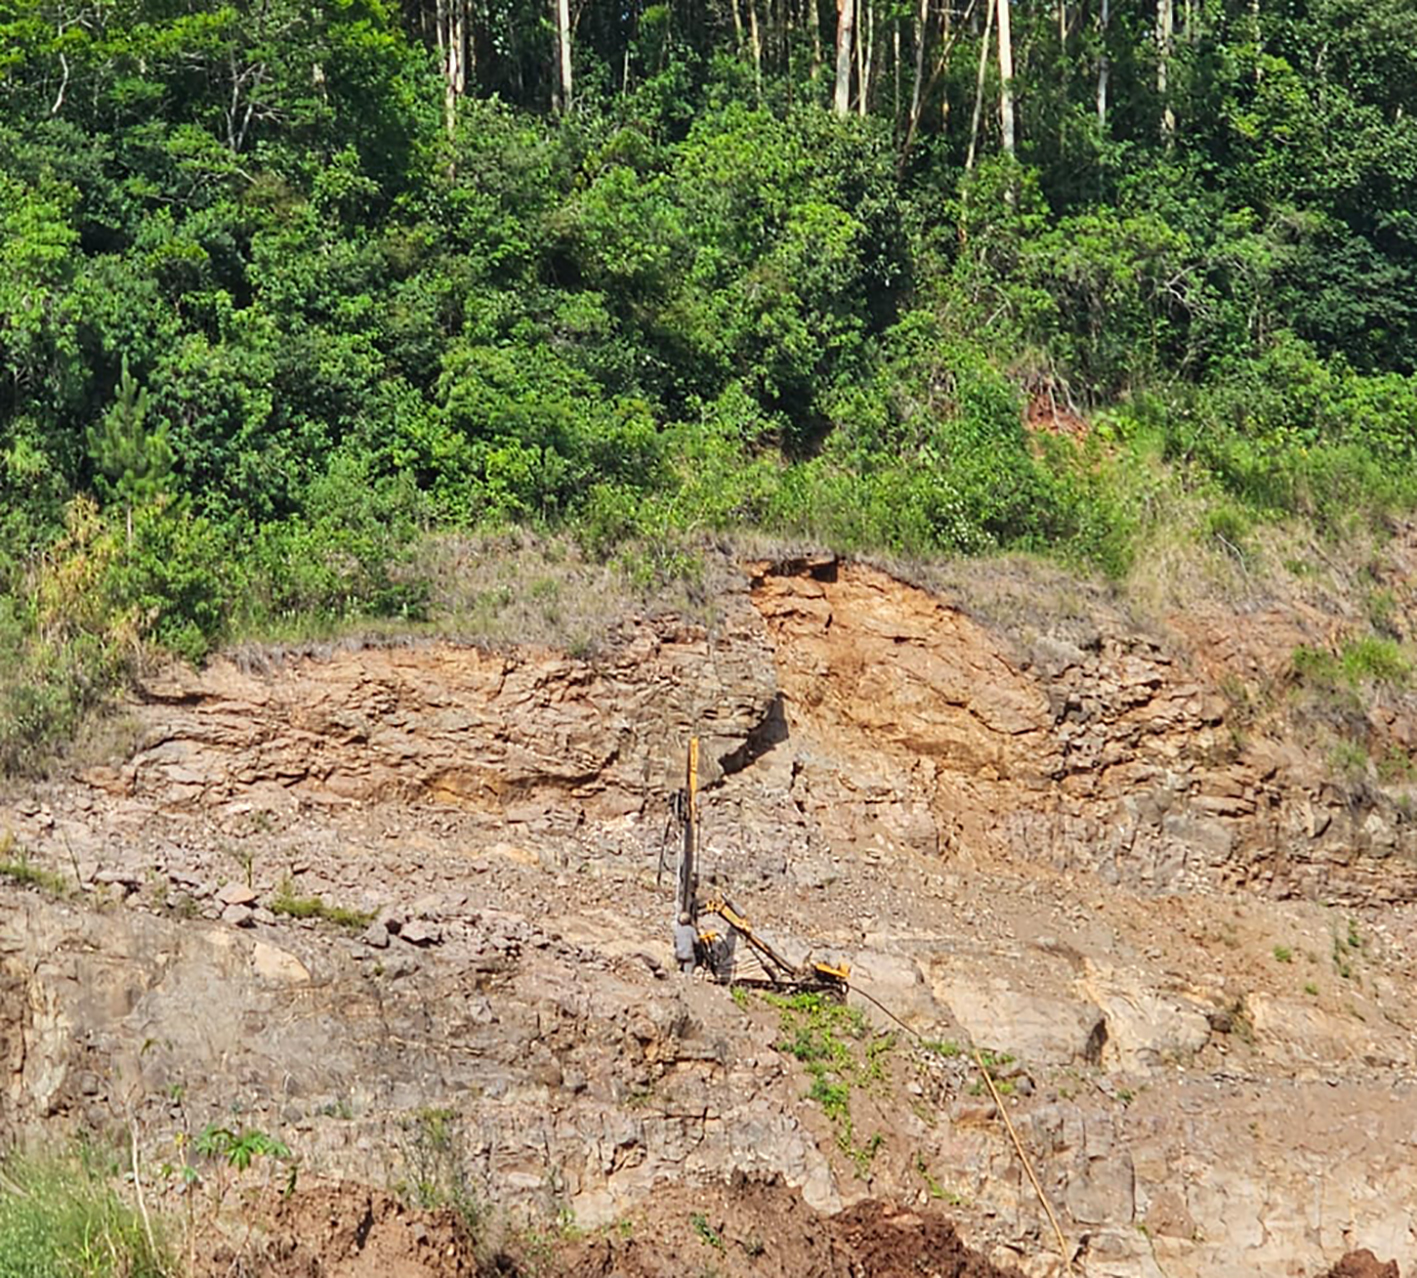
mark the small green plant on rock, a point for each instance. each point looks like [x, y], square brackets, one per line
[1396, 767]
[21, 872]
[17, 867]
[1375, 659]
[1238, 1022]
[239, 1149]
[931, 1184]
[1367, 659]
[1347, 943]
[439, 1168]
[933, 1187]
[708, 1235]
[293, 906]
[1348, 758]
[840, 1053]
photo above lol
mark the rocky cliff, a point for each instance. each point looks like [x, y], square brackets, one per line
[1052, 832]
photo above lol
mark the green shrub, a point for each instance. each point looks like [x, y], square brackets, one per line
[840, 1053]
[45, 692]
[1367, 659]
[1376, 659]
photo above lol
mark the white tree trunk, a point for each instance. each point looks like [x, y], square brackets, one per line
[1255, 20]
[755, 37]
[1006, 79]
[457, 46]
[895, 71]
[865, 50]
[1104, 67]
[563, 41]
[450, 96]
[917, 89]
[845, 26]
[979, 89]
[1165, 34]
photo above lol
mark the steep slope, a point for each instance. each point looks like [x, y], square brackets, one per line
[1043, 838]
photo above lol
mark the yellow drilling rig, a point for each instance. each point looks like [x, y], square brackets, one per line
[735, 953]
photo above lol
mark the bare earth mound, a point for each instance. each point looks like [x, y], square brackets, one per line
[347, 1232]
[766, 1230]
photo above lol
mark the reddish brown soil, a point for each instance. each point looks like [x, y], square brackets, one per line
[1362, 1264]
[748, 1227]
[346, 1231]
[1047, 415]
[765, 1229]
[886, 1243]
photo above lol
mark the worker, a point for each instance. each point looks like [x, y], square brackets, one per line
[685, 940]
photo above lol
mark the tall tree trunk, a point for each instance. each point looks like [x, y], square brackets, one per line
[450, 96]
[947, 39]
[458, 46]
[563, 47]
[1165, 32]
[863, 55]
[450, 20]
[925, 83]
[873, 55]
[895, 73]
[755, 38]
[917, 89]
[737, 29]
[789, 39]
[1064, 78]
[979, 88]
[845, 24]
[1255, 22]
[1006, 78]
[1104, 66]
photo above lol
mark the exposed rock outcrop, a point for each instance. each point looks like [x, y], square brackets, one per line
[351, 893]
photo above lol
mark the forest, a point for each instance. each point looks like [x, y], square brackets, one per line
[289, 287]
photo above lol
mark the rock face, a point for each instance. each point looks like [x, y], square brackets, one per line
[1112, 756]
[571, 1073]
[404, 907]
[907, 725]
[528, 739]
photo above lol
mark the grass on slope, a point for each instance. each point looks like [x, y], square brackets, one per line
[61, 1218]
